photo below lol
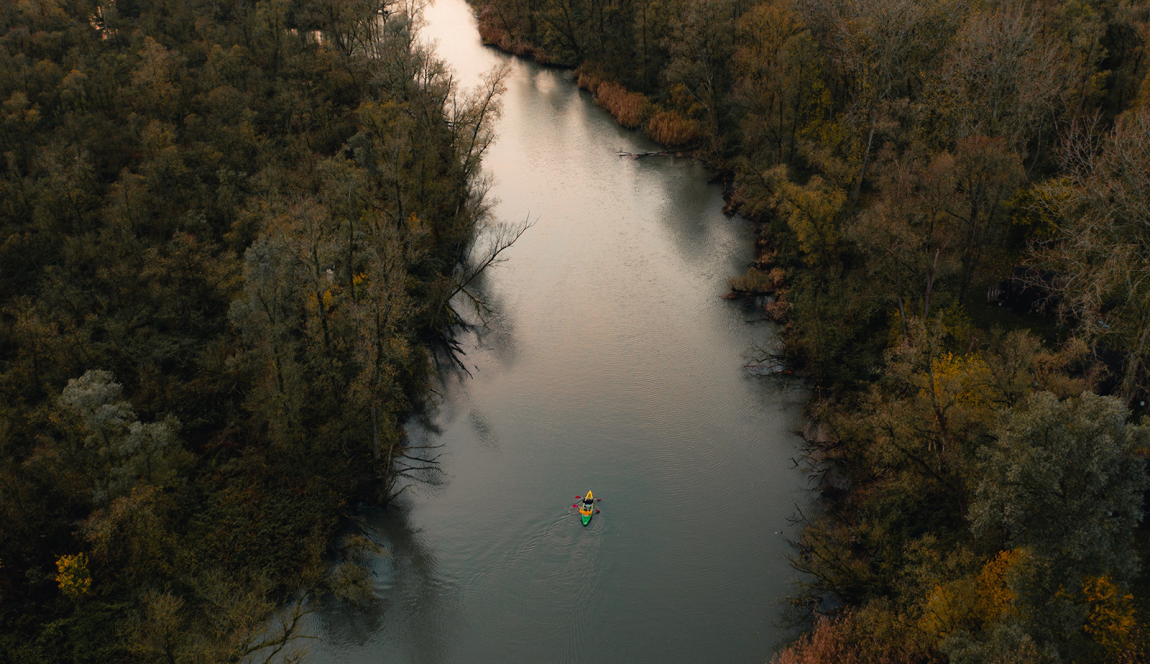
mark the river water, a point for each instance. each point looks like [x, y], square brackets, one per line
[611, 363]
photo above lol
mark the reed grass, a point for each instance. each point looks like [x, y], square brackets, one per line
[628, 108]
[672, 129]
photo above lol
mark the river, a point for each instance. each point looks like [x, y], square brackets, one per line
[611, 363]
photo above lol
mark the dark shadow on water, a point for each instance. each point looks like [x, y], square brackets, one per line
[481, 427]
[493, 330]
[691, 210]
[409, 608]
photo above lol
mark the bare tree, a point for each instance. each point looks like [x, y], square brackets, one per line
[881, 51]
[1002, 78]
[223, 620]
[1102, 252]
[909, 238]
[987, 174]
[700, 45]
[778, 81]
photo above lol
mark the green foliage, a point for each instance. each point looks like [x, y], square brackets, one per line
[919, 450]
[1005, 643]
[831, 321]
[1061, 482]
[231, 234]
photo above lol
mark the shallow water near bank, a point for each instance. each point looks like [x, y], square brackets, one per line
[611, 363]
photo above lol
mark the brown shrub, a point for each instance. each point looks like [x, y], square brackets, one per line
[493, 33]
[490, 32]
[856, 638]
[778, 311]
[672, 129]
[629, 108]
[588, 78]
[754, 281]
[829, 643]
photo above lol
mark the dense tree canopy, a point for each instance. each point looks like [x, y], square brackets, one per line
[230, 234]
[901, 157]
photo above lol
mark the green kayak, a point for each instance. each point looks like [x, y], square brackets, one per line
[587, 508]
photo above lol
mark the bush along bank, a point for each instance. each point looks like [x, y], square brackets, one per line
[668, 121]
[230, 233]
[982, 467]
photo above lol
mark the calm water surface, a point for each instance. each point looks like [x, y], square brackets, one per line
[612, 364]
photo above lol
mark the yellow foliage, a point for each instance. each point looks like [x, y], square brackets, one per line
[1037, 209]
[970, 603]
[959, 379]
[72, 575]
[894, 335]
[1143, 94]
[994, 597]
[950, 607]
[812, 213]
[1111, 620]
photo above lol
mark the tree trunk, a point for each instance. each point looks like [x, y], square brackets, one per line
[866, 161]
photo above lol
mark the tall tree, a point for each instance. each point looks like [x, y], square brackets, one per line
[1062, 483]
[777, 70]
[1101, 251]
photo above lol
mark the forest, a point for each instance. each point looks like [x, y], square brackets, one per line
[981, 460]
[231, 236]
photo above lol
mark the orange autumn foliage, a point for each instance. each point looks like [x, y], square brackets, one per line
[629, 108]
[72, 575]
[634, 110]
[850, 639]
[1111, 620]
[589, 79]
[971, 603]
[672, 129]
[494, 34]
[830, 641]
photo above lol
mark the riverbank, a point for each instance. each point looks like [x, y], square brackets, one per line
[681, 136]
[890, 199]
[611, 363]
